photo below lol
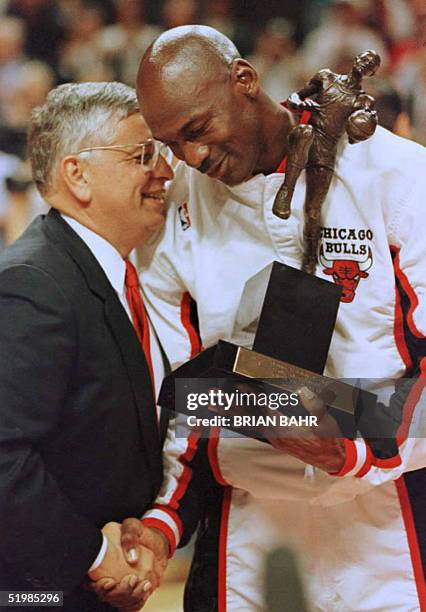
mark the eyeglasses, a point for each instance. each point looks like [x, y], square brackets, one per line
[146, 155]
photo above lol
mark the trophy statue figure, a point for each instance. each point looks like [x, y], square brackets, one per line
[338, 104]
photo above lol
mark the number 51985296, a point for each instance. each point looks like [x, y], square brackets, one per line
[31, 598]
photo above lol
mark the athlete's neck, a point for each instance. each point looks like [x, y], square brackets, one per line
[277, 123]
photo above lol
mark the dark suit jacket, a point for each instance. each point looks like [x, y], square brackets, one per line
[79, 442]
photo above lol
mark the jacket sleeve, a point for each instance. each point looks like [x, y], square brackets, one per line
[44, 540]
[179, 504]
[393, 440]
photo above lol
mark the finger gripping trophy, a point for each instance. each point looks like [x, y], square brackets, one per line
[338, 104]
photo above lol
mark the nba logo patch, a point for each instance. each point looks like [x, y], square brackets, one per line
[184, 219]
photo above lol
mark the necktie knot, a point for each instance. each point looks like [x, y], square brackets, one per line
[131, 278]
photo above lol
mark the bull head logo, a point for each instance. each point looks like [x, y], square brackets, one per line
[346, 273]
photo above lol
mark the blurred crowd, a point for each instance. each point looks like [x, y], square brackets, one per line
[47, 42]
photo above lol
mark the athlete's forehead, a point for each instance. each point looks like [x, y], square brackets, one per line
[172, 112]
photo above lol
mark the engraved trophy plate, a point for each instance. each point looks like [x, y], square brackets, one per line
[290, 378]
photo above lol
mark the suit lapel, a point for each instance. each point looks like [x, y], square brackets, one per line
[122, 330]
[67, 240]
[164, 413]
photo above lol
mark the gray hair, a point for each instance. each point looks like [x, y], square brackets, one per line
[75, 116]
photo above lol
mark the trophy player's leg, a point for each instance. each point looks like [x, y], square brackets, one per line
[299, 140]
[318, 179]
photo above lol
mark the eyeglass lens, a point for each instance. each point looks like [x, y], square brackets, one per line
[149, 154]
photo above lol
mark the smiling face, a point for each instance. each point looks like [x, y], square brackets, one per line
[126, 201]
[209, 121]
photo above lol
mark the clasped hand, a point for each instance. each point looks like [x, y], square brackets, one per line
[132, 567]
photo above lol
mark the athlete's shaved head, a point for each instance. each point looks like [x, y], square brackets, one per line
[195, 56]
[198, 50]
[200, 97]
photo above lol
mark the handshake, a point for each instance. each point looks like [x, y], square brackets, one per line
[133, 566]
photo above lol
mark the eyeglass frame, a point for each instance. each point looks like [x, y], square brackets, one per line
[158, 149]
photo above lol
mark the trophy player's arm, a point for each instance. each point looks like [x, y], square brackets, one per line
[299, 100]
[314, 86]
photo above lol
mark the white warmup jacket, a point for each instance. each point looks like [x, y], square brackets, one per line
[361, 533]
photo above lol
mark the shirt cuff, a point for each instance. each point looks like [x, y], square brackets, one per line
[101, 554]
[168, 523]
[357, 459]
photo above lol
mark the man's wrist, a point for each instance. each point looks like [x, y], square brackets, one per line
[164, 540]
[338, 460]
[168, 522]
[167, 536]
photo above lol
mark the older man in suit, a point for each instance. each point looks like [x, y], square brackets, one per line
[80, 438]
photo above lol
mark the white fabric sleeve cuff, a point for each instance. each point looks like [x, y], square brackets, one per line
[164, 521]
[101, 554]
[357, 459]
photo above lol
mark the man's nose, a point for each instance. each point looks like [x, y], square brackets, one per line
[162, 169]
[194, 153]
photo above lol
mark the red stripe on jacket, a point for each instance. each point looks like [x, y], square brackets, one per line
[223, 542]
[185, 318]
[412, 296]
[413, 543]
[185, 477]
[404, 351]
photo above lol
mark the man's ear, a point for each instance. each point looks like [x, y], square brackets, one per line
[244, 77]
[75, 178]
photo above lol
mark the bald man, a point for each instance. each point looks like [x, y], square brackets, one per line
[352, 508]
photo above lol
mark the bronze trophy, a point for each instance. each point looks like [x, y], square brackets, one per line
[338, 104]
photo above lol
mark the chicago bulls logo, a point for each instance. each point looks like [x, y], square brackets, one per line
[346, 272]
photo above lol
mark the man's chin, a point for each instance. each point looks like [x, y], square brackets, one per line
[154, 227]
[155, 224]
[233, 179]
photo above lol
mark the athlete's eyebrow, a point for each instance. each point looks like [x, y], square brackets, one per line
[185, 127]
[200, 119]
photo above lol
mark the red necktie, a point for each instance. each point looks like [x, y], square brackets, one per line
[137, 310]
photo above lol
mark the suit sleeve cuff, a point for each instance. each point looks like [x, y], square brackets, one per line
[168, 523]
[357, 459]
[101, 555]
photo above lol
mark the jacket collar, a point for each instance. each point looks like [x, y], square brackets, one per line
[110, 260]
[61, 233]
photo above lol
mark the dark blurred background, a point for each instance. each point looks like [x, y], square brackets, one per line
[47, 42]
